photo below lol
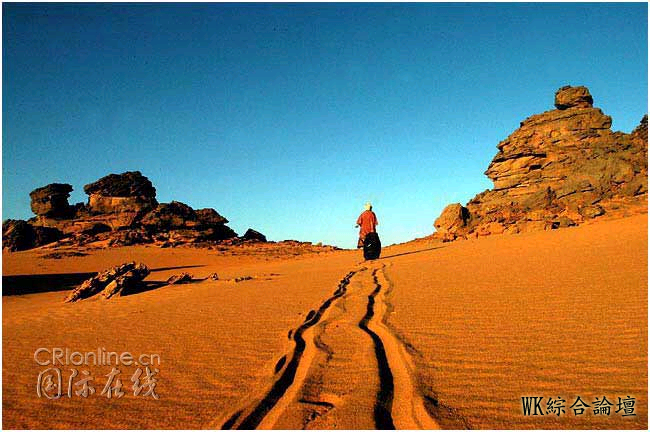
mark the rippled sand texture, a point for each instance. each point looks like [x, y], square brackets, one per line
[447, 335]
[218, 341]
[561, 313]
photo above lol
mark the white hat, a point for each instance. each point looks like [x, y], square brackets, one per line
[368, 206]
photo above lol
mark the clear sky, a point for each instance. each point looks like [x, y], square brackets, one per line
[287, 118]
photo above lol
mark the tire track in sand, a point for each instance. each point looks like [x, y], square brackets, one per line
[407, 405]
[397, 402]
[253, 417]
[385, 394]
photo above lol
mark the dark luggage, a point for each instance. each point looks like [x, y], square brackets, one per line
[371, 246]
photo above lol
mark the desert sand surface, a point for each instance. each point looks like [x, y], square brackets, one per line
[432, 335]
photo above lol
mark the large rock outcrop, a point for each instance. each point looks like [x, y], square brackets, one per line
[558, 169]
[115, 202]
[122, 210]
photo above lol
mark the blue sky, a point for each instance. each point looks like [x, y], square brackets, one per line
[287, 118]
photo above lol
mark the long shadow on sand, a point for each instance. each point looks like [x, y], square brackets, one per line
[146, 286]
[30, 284]
[153, 285]
[410, 253]
[175, 268]
[42, 283]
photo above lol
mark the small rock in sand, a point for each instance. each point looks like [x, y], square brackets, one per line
[180, 278]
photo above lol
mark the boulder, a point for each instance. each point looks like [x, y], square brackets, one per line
[52, 200]
[209, 217]
[218, 233]
[122, 279]
[17, 235]
[591, 212]
[563, 222]
[170, 216]
[253, 235]
[129, 237]
[128, 184]
[185, 225]
[573, 97]
[125, 197]
[180, 279]
[452, 218]
[126, 283]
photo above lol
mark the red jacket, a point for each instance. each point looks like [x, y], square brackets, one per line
[368, 223]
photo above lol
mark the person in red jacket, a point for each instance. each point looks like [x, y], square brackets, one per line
[368, 223]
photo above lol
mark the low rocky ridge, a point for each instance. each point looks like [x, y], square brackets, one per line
[560, 168]
[121, 210]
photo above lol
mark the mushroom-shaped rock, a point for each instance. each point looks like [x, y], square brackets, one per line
[52, 200]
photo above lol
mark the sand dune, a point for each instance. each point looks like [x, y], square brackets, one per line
[432, 335]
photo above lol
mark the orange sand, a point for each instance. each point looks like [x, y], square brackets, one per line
[462, 330]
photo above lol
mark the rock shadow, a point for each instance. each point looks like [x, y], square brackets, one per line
[33, 284]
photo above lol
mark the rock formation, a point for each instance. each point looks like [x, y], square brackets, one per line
[452, 220]
[52, 200]
[560, 168]
[123, 279]
[180, 222]
[122, 209]
[20, 235]
[253, 235]
[125, 197]
[115, 202]
[180, 278]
